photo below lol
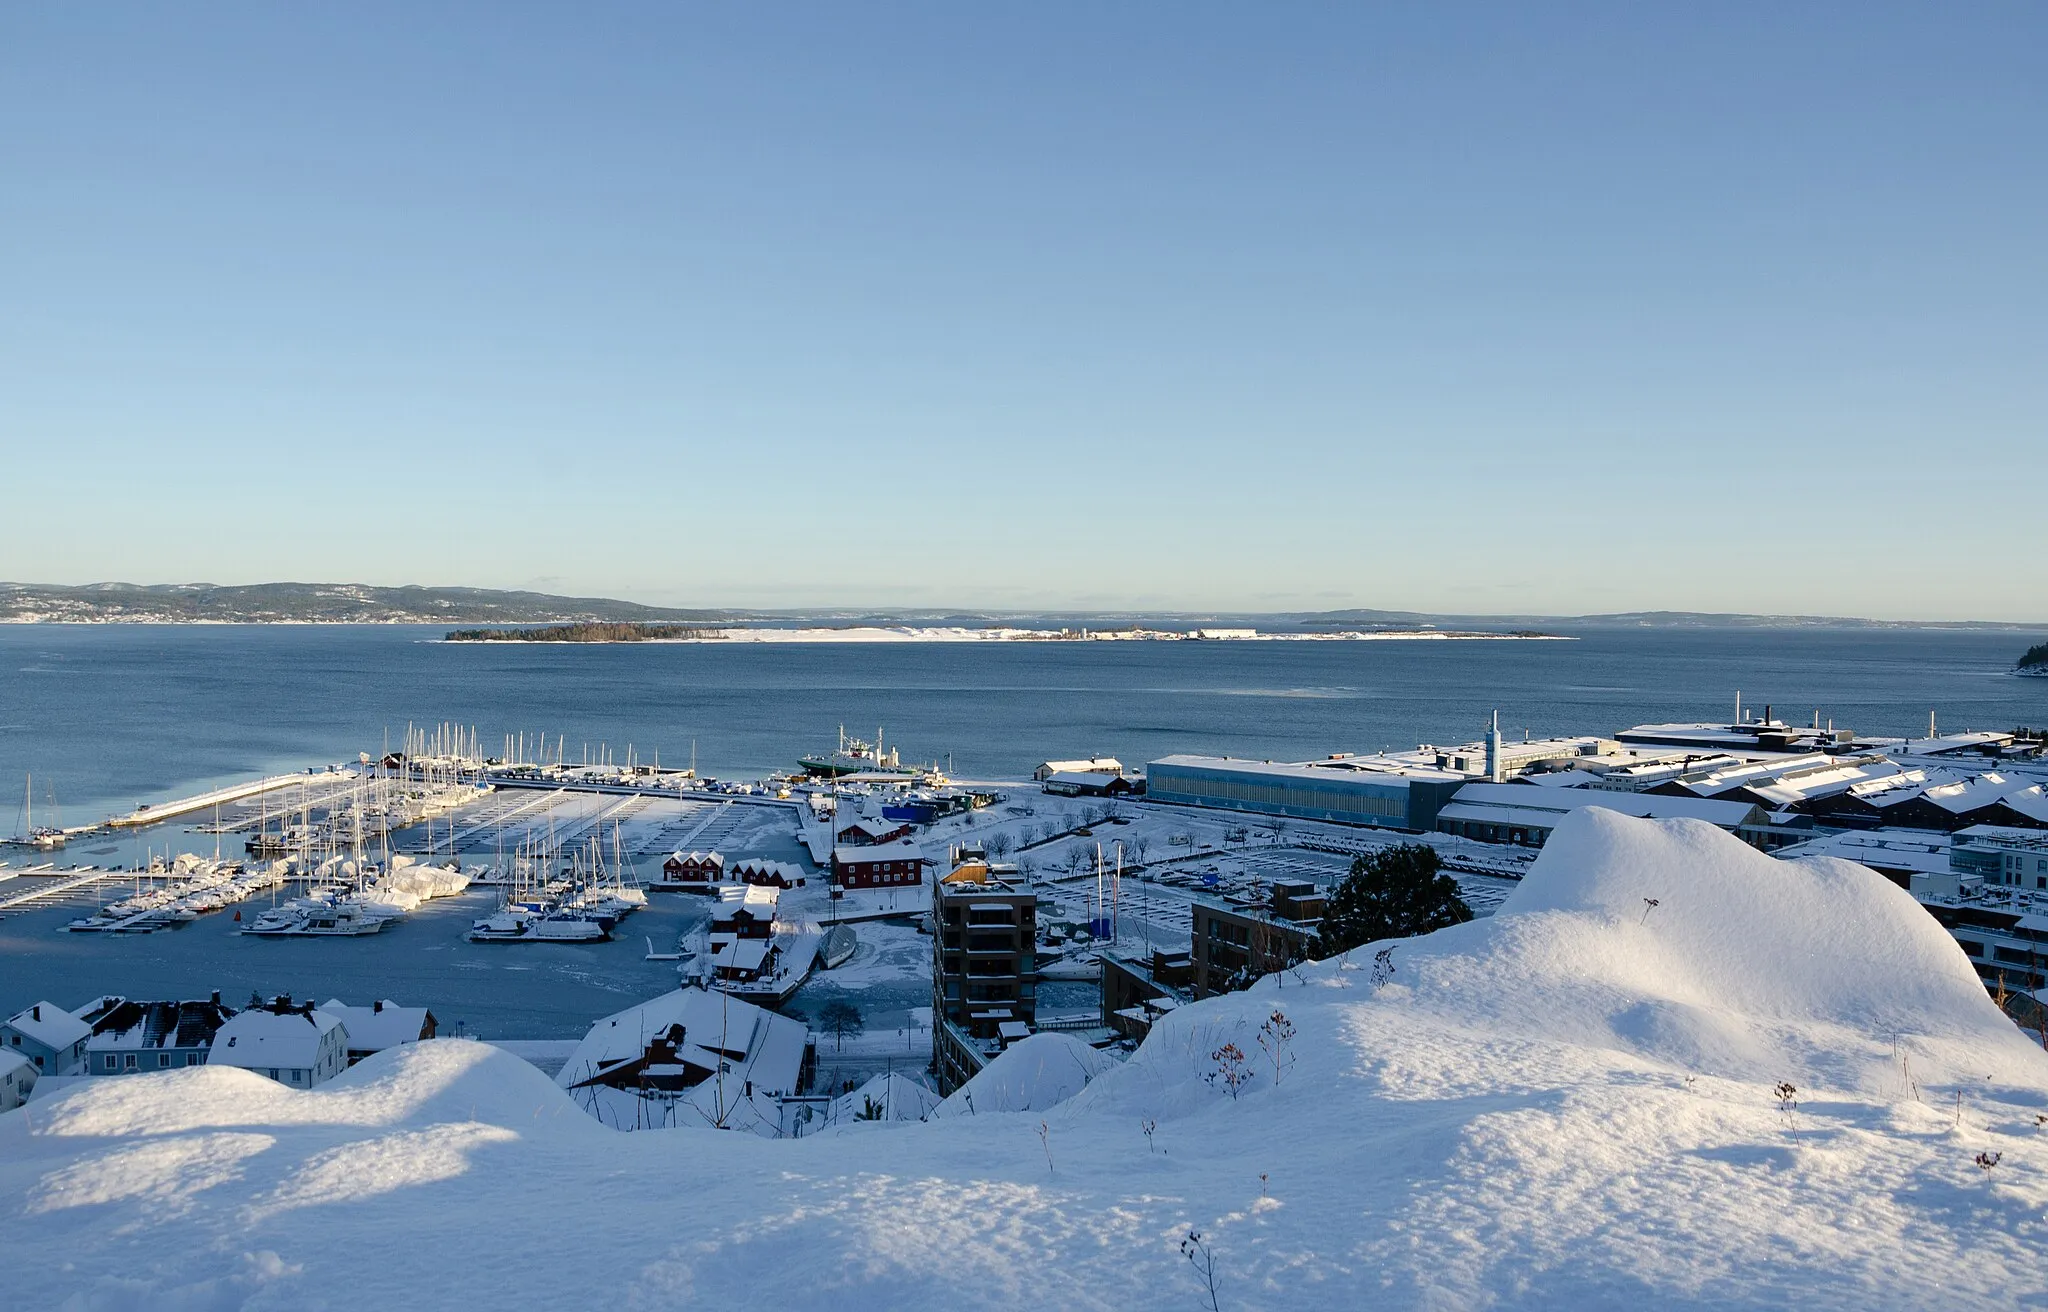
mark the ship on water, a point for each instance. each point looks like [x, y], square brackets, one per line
[856, 756]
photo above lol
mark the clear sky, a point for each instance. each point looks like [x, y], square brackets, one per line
[1516, 308]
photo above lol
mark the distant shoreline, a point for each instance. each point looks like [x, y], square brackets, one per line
[609, 634]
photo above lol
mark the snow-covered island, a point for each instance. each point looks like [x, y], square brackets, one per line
[2034, 662]
[869, 633]
[1669, 1072]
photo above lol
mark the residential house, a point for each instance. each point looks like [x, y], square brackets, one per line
[50, 1037]
[17, 1077]
[292, 1043]
[131, 1037]
[690, 1057]
[383, 1024]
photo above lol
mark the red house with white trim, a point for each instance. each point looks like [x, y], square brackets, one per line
[879, 865]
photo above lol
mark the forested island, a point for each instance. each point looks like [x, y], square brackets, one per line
[591, 632]
[2035, 661]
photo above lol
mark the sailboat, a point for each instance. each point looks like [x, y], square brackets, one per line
[46, 839]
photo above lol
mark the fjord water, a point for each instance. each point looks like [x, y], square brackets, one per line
[110, 715]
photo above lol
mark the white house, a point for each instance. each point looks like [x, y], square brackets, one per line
[294, 1044]
[50, 1037]
[382, 1024]
[17, 1077]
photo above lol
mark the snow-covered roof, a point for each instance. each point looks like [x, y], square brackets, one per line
[1912, 850]
[1093, 765]
[741, 954]
[135, 1026]
[1544, 807]
[903, 849]
[751, 865]
[754, 1043]
[10, 1060]
[50, 1025]
[1564, 778]
[756, 900]
[262, 1038]
[1355, 769]
[378, 1026]
[698, 858]
[873, 828]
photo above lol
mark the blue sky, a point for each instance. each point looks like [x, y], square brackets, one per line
[1464, 308]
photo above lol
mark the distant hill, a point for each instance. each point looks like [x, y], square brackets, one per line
[318, 603]
[361, 603]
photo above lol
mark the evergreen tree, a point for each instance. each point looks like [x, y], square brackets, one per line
[1396, 892]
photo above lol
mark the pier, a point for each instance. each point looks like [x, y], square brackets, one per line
[148, 814]
[56, 883]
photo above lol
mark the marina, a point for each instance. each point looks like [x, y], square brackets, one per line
[553, 849]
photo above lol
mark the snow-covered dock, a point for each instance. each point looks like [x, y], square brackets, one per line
[156, 812]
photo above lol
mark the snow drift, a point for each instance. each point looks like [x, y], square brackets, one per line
[1574, 1103]
[1031, 1075]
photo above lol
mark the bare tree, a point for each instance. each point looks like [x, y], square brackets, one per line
[842, 1020]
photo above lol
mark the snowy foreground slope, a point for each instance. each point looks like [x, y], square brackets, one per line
[1568, 1105]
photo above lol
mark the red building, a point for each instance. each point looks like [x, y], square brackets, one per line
[879, 865]
[768, 874]
[698, 870]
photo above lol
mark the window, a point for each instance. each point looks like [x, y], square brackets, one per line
[128, 1062]
[111, 1062]
[191, 1059]
[163, 1059]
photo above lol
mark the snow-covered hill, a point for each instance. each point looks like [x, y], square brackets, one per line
[1570, 1104]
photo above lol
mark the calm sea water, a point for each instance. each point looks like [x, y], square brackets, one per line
[108, 716]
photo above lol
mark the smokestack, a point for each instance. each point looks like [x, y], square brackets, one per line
[1493, 765]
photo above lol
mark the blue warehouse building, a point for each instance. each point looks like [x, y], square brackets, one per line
[1343, 790]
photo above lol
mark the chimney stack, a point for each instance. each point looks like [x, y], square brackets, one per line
[1494, 772]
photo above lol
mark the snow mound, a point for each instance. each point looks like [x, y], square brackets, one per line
[1670, 946]
[437, 1080]
[887, 1097]
[1031, 1075]
[1571, 1104]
